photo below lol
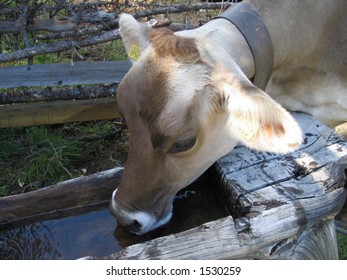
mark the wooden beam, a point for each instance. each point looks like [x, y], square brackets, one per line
[51, 94]
[62, 74]
[78, 192]
[318, 242]
[58, 112]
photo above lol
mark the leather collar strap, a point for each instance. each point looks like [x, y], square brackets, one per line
[253, 29]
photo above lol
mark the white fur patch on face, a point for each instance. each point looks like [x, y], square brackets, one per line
[184, 82]
[113, 201]
[147, 221]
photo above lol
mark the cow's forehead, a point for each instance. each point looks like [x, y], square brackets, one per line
[143, 89]
[162, 90]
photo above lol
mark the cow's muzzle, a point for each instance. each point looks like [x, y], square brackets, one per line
[138, 222]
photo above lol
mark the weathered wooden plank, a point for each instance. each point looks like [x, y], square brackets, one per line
[318, 242]
[62, 74]
[267, 233]
[314, 185]
[241, 158]
[50, 94]
[246, 173]
[58, 112]
[81, 191]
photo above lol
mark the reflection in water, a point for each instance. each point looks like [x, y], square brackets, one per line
[31, 242]
[66, 238]
[193, 206]
[97, 234]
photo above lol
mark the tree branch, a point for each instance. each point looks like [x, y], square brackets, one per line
[60, 46]
[179, 8]
[83, 28]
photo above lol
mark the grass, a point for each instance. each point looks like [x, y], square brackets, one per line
[34, 157]
[342, 246]
[49, 157]
[113, 50]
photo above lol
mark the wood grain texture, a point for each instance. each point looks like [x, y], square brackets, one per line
[317, 242]
[62, 74]
[81, 191]
[37, 113]
[66, 111]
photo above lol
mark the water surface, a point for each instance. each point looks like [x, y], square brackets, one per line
[94, 232]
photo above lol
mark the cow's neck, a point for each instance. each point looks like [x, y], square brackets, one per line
[220, 42]
[232, 35]
[250, 24]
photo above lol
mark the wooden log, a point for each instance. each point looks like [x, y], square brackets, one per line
[318, 242]
[321, 159]
[53, 25]
[260, 237]
[109, 20]
[82, 191]
[283, 201]
[21, 95]
[56, 75]
[58, 112]
[62, 74]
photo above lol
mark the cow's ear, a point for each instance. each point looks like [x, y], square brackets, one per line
[254, 118]
[135, 36]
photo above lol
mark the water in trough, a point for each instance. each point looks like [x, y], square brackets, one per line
[94, 232]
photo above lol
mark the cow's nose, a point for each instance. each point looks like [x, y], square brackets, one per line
[134, 226]
[126, 220]
[138, 222]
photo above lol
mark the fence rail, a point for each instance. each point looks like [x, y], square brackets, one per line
[62, 74]
[52, 75]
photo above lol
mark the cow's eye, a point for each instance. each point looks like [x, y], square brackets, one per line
[182, 145]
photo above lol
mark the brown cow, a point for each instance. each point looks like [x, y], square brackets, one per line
[188, 98]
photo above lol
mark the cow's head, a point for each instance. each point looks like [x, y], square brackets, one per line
[184, 110]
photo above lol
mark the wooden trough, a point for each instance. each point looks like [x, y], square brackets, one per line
[282, 206]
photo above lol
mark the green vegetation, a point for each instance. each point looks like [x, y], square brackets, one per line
[49, 157]
[342, 246]
[103, 52]
[34, 157]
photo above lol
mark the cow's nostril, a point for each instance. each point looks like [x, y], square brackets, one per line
[135, 226]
